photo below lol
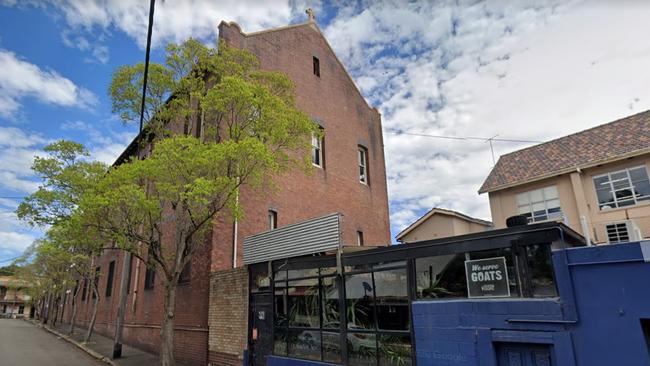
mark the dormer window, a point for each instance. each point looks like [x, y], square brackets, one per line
[316, 66]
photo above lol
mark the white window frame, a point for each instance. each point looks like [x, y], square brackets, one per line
[362, 160]
[615, 204]
[273, 219]
[545, 199]
[317, 150]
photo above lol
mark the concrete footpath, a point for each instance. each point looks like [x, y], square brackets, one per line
[101, 348]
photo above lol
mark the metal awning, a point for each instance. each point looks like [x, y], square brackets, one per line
[318, 235]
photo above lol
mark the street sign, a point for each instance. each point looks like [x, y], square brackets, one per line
[487, 278]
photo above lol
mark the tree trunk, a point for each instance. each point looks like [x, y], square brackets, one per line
[167, 329]
[73, 315]
[89, 333]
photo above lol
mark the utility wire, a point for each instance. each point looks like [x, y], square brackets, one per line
[461, 137]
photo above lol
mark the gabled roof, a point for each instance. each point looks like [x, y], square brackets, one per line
[623, 138]
[313, 25]
[441, 211]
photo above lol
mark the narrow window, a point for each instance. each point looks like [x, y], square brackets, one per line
[317, 150]
[84, 290]
[149, 278]
[21, 309]
[128, 282]
[316, 66]
[186, 273]
[363, 165]
[109, 281]
[96, 281]
[360, 238]
[273, 220]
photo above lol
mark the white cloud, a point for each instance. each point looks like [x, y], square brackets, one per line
[14, 239]
[17, 152]
[20, 79]
[175, 20]
[104, 146]
[522, 71]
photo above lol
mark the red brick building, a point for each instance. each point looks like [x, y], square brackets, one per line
[349, 178]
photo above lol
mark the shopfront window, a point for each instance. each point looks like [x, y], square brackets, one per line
[307, 314]
[378, 324]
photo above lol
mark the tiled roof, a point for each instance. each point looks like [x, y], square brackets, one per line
[622, 138]
[444, 211]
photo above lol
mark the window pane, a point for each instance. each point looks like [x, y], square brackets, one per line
[541, 270]
[554, 203]
[331, 310]
[539, 207]
[395, 350]
[299, 273]
[392, 300]
[331, 347]
[536, 196]
[522, 199]
[623, 194]
[280, 304]
[280, 342]
[621, 184]
[304, 344]
[260, 280]
[638, 174]
[512, 272]
[618, 176]
[642, 189]
[441, 277]
[359, 301]
[601, 182]
[303, 306]
[550, 192]
[629, 202]
[524, 209]
[604, 196]
[362, 349]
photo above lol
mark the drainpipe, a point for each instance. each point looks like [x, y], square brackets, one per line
[585, 230]
[235, 229]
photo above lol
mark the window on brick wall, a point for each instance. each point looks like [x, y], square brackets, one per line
[186, 273]
[109, 280]
[149, 278]
[316, 66]
[317, 150]
[273, 220]
[363, 164]
[360, 238]
[96, 281]
[84, 290]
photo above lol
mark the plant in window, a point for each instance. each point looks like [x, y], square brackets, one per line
[434, 290]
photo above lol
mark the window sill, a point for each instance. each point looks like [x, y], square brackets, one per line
[617, 209]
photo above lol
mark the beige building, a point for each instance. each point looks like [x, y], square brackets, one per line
[440, 223]
[596, 181]
[14, 300]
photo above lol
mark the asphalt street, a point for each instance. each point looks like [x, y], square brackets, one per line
[24, 344]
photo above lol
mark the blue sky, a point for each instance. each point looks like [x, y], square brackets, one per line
[519, 70]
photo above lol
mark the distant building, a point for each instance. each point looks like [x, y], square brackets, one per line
[440, 223]
[595, 181]
[14, 300]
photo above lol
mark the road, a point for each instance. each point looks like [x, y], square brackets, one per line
[24, 344]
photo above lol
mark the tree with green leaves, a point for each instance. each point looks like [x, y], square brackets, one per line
[242, 128]
[67, 175]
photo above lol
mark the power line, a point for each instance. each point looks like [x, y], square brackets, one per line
[486, 139]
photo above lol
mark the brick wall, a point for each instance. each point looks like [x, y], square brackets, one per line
[228, 316]
[348, 122]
